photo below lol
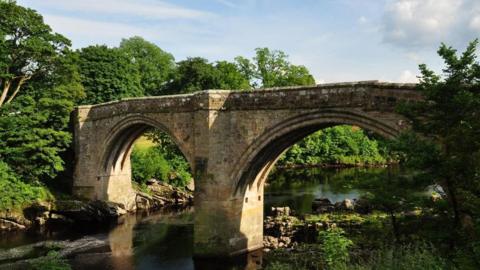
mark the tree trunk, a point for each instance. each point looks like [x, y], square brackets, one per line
[17, 89]
[5, 92]
[396, 230]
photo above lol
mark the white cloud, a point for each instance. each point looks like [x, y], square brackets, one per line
[362, 20]
[475, 23]
[108, 33]
[418, 23]
[407, 77]
[146, 9]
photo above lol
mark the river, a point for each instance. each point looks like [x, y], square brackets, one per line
[164, 239]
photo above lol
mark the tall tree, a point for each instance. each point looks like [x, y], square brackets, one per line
[272, 69]
[108, 74]
[449, 118]
[28, 48]
[155, 65]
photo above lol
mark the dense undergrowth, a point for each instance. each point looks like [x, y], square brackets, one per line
[347, 145]
[16, 194]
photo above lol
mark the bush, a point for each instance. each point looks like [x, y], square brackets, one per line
[335, 247]
[15, 194]
[407, 257]
[153, 162]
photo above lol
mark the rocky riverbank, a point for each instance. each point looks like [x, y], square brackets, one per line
[70, 212]
[286, 230]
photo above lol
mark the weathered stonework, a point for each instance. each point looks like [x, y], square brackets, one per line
[231, 140]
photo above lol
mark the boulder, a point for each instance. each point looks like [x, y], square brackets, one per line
[143, 200]
[191, 186]
[345, 205]
[362, 206]
[95, 211]
[322, 205]
[281, 211]
[152, 181]
[8, 225]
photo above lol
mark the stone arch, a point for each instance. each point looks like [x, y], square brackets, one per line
[256, 162]
[114, 170]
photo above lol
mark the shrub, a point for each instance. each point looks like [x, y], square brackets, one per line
[153, 162]
[335, 247]
[14, 194]
[407, 257]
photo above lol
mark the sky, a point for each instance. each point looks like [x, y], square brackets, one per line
[337, 40]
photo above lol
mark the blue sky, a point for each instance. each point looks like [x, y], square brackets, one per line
[337, 40]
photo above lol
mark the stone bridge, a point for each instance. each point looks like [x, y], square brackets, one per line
[231, 140]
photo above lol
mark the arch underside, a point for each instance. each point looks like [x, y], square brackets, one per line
[122, 137]
[114, 169]
[259, 158]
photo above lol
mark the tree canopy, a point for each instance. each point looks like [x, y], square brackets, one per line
[272, 69]
[108, 74]
[28, 48]
[194, 74]
[156, 66]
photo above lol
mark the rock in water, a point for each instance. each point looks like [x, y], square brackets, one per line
[8, 225]
[322, 205]
[281, 211]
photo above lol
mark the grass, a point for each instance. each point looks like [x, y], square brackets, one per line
[143, 143]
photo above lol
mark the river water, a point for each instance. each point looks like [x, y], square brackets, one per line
[164, 240]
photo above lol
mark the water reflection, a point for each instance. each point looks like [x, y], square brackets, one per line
[164, 240]
[121, 244]
[297, 188]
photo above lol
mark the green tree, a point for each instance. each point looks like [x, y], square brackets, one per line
[272, 69]
[230, 76]
[155, 65]
[336, 145]
[28, 48]
[449, 119]
[33, 126]
[197, 73]
[33, 134]
[108, 74]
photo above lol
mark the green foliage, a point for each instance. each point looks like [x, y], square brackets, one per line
[340, 144]
[15, 194]
[33, 135]
[108, 74]
[156, 66]
[33, 125]
[448, 118]
[408, 257]
[28, 48]
[52, 261]
[197, 73]
[272, 69]
[154, 162]
[335, 247]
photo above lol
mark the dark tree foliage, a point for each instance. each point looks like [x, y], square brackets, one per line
[448, 123]
[197, 73]
[108, 74]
